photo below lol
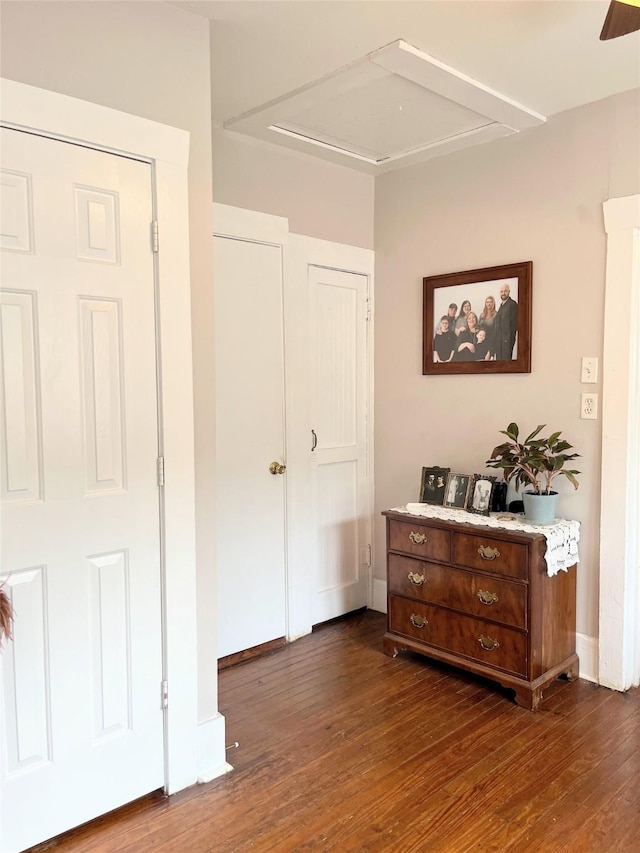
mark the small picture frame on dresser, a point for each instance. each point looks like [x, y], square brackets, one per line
[480, 493]
[432, 485]
[457, 490]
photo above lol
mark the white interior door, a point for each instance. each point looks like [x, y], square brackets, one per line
[82, 720]
[338, 312]
[250, 518]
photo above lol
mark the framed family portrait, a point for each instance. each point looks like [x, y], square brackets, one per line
[480, 493]
[457, 490]
[432, 485]
[478, 321]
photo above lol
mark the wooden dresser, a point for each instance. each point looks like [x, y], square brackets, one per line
[480, 598]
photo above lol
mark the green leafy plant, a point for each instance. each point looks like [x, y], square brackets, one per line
[534, 461]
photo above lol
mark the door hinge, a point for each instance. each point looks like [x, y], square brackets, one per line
[160, 470]
[164, 694]
[154, 236]
[367, 556]
[368, 301]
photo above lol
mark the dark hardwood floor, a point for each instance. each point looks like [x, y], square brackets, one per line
[344, 749]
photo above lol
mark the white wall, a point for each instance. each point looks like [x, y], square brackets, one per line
[535, 196]
[319, 198]
[153, 60]
[149, 59]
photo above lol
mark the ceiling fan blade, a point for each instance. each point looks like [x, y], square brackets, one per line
[622, 18]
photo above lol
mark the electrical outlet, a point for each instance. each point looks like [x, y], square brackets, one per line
[589, 369]
[589, 406]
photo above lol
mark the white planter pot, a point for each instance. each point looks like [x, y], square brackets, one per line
[540, 509]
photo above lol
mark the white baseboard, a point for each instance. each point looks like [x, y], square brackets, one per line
[588, 650]
[379, 596]
[586, 647]
[211, 749]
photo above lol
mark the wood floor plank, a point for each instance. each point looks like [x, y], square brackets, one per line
[351, 766]
[376, 790]
[345, 750]
[559, 773]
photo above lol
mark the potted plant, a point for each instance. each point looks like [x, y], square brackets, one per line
[535, 462]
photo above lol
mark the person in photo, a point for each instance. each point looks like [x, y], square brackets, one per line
[506, 325]
[451, 314]
[430, 487]
[466, 348]
[487, 319]
[482, 346]
[461, 319]
[461, 491]
[444, 341]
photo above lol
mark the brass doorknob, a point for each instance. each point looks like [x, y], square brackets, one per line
[277, 468]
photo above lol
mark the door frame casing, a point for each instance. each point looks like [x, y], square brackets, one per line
[619, 646]
[61, 117]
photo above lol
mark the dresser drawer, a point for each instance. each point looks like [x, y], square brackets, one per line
[478, 595]
[431, 543]
[492, 645]
[490, 555]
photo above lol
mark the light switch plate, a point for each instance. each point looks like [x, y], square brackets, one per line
[589, 369]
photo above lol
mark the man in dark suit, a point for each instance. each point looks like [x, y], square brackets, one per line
[506, 325]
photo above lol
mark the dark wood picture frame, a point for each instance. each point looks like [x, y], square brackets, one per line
[456, 492]
[433, 494]
[500, 335]
[483, 505]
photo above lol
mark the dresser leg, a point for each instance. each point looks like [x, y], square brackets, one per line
[528, 697]
[390, 647]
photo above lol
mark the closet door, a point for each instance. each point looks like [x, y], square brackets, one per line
[249, 397]
[339, 403]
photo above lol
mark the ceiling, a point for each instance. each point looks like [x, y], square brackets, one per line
[460, 72]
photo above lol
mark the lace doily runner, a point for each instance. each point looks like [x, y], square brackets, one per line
[562, 536]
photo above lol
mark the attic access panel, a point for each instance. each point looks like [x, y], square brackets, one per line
[396, 106]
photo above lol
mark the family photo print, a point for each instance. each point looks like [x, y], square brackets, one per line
[478, 321]
[433, 485]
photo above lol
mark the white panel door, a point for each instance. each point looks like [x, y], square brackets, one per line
[338, 311]
[82, 721]
[250, 518]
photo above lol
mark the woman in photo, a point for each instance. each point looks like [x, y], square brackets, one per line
[467, 340]
[461, 320]
[488, 317]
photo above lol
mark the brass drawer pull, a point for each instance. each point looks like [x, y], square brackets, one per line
[416, 579]
[418, 538]
[418, 621]
[487, 597]
[488, 644]
[488, 553]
